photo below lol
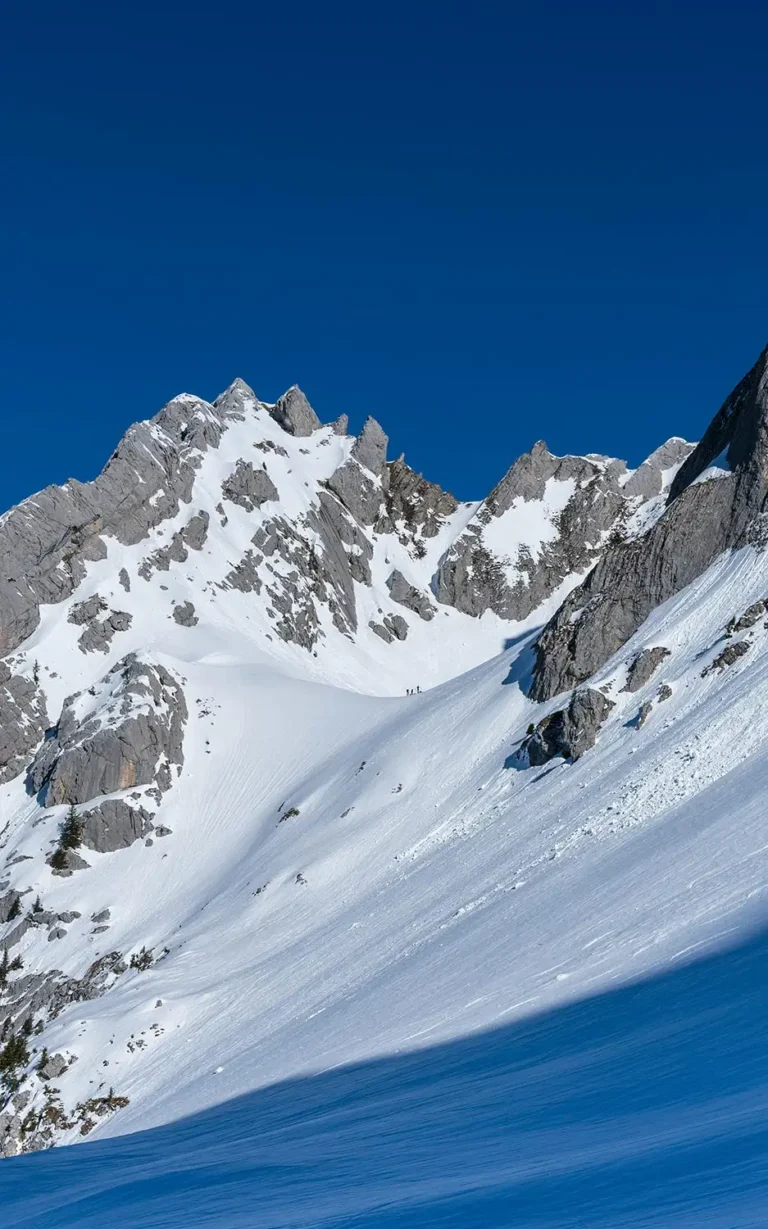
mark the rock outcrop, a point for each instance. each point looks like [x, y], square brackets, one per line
[588, 500]
[706, 514]
[46, 542]
[748, 618]
[184, 615]
[570, 731]
[644, 667]
[294, 413]
[23, 721]
[648, 479]
[129, 734]
[114, 824]
[360, 482]
[249, 487]
[406, 594]
[191, 537]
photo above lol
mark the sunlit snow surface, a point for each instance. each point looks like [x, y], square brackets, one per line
[462, 926]
[643, 1106]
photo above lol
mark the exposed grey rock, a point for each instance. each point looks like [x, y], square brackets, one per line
[647, 480]
[54, 1068]
[702, 520]
[664, 692]
[132, 737]
[102, 916]
[46, 541]
[474, 580]
[748, 619]
[10, 1133]
[97, 636]
[73, 862]
[361, 482]
[113, 824]
[568, 732]
[249, 487]
[644, 713]
[161, 560]
[265, 446]
[730, 654]
[397, 625]
[23, 721]
[81, 990]
[237, 401]
[294, 413]
[406, 594]
[414, 505]
[244, 576]
[17, 932]
[192, 536]
[87, 611]
[359, 491]
[124, 579]
[340, 425]
[8, 902]
[381, 631]
[185, 615]
[69, 916]
[58, 932]
[644, 666]
[195, 532]
[370, 447]
[161, 830]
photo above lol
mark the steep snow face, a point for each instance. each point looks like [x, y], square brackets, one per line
[233, 848]
[343, 875]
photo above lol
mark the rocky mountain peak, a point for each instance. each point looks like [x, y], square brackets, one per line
[739, 430]
[370, 447]
[166, 627]
[649, 478]
[236, 400]
[294, 413]
[711, 508]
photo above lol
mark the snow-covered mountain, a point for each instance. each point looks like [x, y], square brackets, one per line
[236, 848]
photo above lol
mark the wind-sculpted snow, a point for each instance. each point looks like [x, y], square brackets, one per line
[287, 805]
[642, 1107]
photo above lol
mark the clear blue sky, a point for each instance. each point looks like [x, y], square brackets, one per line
[484, 223]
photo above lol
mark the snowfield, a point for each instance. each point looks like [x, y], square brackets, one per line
[400, 977]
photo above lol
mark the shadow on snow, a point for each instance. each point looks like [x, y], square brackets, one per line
[646, 1105]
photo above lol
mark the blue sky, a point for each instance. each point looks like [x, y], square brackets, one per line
[483, 223]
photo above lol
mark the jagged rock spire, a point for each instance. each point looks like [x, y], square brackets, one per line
[370, 447]
[294, 413]
[703, 519]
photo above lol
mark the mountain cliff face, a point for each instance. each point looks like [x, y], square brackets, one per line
[715, 503]
[213, 773]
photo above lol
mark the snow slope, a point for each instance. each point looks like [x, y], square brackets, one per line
[643, 1106]
[446, 888]
[351, 873]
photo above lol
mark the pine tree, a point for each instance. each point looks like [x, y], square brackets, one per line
[15, 909]
[4, 967]
[38, 906]
[71, 835]
[58, 860]
[14, 1053]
